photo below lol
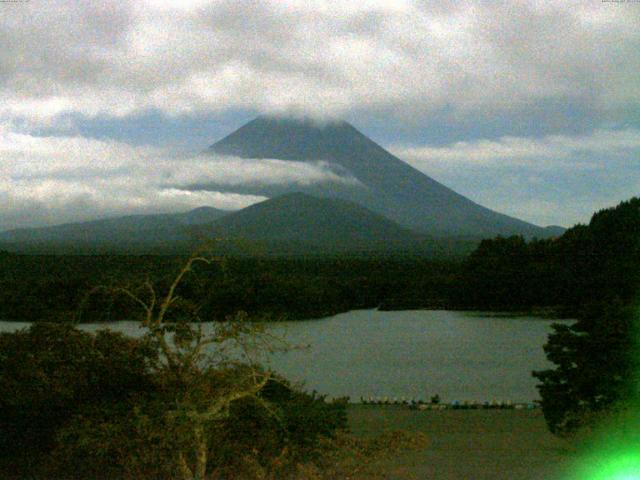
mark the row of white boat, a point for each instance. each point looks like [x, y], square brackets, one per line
[436, 404]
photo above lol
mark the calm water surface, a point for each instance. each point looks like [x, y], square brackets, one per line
[413, 354]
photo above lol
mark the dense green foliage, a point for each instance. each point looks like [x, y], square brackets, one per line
[51, 373]
[600, 260]
[592, 273]
[50, 288]
[596, 366]
[597, 359]
[78, 405]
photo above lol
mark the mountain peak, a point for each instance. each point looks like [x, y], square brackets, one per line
[300, 122]
[289, 138]
[385, 184]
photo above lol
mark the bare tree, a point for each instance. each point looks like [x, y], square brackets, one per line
[193, 353]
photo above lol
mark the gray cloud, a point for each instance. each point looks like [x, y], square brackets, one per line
[118, 58]
[551, 151]
[409, 59]
[555, 179]
[47, 180]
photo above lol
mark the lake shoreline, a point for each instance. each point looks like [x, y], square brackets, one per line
[456, 356]
[541, 313]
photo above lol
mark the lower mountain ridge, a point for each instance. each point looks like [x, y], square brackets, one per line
[298, 223]
[128, 234]
[291, 224]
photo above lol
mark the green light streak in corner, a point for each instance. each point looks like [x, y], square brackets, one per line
[622, 466]
[614, 449]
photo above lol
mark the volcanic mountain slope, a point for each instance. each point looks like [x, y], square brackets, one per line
[131, 234]
[385, 184]
[292, 224]
[370, 201]
[300, 224]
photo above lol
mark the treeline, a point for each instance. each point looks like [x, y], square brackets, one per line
[37, 288]
[561, 275]
[596, 374]
[588, 263]
[52, 287]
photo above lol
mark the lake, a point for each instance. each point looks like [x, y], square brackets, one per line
[413, 354]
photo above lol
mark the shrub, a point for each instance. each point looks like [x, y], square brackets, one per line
[49, 373]
[596, 367]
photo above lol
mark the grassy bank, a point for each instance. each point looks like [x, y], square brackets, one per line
[468, 444]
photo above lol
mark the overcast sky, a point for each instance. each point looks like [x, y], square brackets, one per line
[531, 108]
